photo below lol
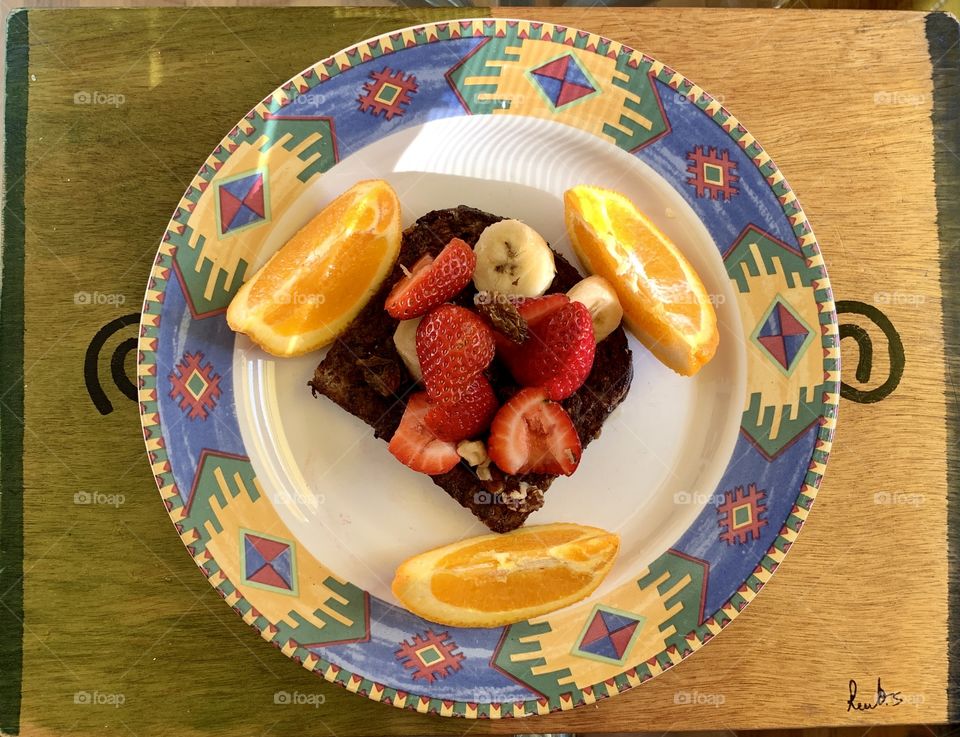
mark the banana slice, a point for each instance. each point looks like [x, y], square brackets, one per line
[405, 339]
[598, 296]
[513, 258]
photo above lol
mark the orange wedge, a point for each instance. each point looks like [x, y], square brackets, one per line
[495, 580]
[664, 302]
[310, 290]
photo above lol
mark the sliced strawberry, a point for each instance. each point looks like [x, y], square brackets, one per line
[432, 282]
[467, 418]
[531, 434]
[415, 445]
[453, 345]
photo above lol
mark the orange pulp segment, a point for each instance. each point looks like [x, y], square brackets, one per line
[310, 289]
[494, 580]
[665, 304]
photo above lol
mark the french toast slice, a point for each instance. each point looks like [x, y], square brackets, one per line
[363, 373]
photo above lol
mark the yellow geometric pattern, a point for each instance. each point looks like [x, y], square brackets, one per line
[238, 514]
[776, 391]
[512, 83]
[281, 167]
[566, 626]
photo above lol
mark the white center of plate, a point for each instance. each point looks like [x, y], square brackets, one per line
[662, 452]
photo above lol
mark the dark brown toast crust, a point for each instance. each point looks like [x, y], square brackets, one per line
[363, 374]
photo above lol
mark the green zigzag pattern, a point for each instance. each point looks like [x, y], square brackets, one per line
[688, 618]
[758, 424]
[522, 670]
[201, 513]
[639, 83]
[495, 48]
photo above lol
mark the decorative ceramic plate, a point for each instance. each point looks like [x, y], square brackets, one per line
[298, 515]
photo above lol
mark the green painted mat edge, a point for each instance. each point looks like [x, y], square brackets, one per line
[11, 373]
[943, 35]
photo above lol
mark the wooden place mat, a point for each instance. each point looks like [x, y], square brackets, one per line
[105, 626]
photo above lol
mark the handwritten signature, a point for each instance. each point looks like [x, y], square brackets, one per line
[881, 698]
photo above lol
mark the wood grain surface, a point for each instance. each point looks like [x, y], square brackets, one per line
[112, 602]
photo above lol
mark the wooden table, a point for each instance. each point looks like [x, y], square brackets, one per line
[858, 109]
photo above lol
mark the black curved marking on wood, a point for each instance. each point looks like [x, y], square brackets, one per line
[91, 363]
[117, 370]
[865, 345]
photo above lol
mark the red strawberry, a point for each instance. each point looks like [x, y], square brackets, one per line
[414, 445]
[558, 353]
[531, 434]
[532, 310]
[453, 345]
[467, 418]
[432, 282]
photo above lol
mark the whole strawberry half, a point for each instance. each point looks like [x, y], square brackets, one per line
[432, 281]
[532, 310]
[467, 418]
[558, 353]
[415, 445]
[532, 434]
[454, 345]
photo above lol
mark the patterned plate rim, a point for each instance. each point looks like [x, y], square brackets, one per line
[438, 31]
